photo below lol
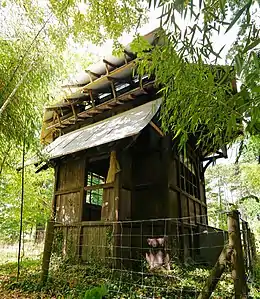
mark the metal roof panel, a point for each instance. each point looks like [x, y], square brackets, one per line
[120, 126]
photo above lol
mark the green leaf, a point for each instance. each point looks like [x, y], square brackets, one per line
[256, 89]
[252, 45]
[238, 15]
[239, 63]
[200, 4]
[222, 4]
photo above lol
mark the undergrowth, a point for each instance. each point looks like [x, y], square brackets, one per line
[93, 281]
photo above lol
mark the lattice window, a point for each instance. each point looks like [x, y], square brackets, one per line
[95, 195]
[188, 177]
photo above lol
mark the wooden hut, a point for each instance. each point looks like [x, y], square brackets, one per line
[114, 165]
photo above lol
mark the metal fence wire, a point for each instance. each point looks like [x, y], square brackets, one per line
[155, 258]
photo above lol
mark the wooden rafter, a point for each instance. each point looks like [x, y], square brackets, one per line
[92, 73]
[90, 78]
[125, 58]
[109, 63]
[113, 88]
[129, 54]
[110, 104]
[91, 97]
[58, 117]
[74, 112]
[157, 129]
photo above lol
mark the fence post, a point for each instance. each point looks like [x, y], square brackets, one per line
[47, 251]
[216, 273]
[237, 260]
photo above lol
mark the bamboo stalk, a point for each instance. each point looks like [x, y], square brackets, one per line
[9, 98]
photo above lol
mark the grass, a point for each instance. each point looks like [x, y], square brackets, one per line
[93, 281]
[8, 253]
[88, 281]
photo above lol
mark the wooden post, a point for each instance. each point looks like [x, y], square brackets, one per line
[50, 231]
[47, 251]
[216, 273]
[237, 261]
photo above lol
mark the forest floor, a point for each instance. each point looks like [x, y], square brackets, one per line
[68, 281]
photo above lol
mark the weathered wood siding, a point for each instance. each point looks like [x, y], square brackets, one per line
[68, 208]
[149, 176]
[69, 190]
[97, 241]
[109, 205]
[125, 185]
[87, 241]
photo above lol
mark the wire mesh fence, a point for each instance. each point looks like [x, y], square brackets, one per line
[155, 258]
[249, 248]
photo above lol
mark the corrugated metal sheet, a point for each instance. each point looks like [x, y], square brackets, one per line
[126, 124]
[100, 67]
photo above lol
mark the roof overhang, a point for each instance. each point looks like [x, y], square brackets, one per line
[123, 125]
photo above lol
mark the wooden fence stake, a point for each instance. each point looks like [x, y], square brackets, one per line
[237, 260]
[216, 273]
[47, 251]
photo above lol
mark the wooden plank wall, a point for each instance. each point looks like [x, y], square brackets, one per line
[70, 184]
[82, 240]
[69, 202]
[190, 207]
[148, 186]
[109, 205]
[97, 242]
[88, 241]
[125, 185]
[149, 176]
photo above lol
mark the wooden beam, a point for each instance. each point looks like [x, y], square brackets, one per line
[129, 54]
[175, 188]
[91, 97]
[120, 103]
[92, 73]
[74, 113]
[62, 192]
[113, 89]
[129, 95]
[95, 111]
[99, 186]
[58, 117]
[158, 130]
[109, 63]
